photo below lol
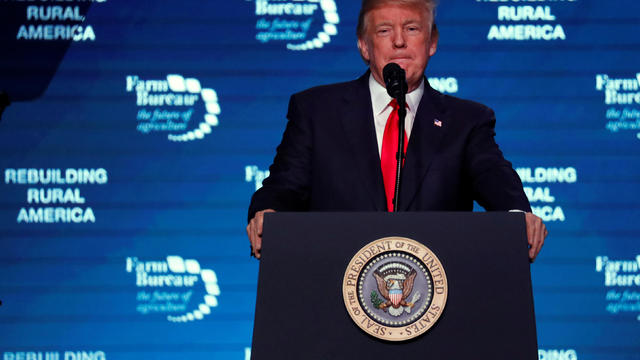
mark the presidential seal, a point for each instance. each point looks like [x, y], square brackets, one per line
[395, 288]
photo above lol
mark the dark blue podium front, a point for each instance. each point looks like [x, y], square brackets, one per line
[300, 312]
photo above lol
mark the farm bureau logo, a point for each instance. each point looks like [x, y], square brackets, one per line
[622, 96]
[168, 287]
[170, 105]
[395, 288]
[296, 22]
[622, 279]
[619, 91]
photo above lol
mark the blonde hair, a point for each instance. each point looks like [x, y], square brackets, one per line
[368, 5]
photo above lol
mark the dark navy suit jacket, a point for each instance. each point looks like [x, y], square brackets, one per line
[328, 159]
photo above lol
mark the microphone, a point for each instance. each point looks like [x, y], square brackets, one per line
[395, 80]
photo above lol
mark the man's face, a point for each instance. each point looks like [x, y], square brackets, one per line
[400, 34]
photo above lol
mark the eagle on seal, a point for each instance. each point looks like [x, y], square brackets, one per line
[395, 285]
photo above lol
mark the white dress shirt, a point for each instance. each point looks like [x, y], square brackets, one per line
[380, 100]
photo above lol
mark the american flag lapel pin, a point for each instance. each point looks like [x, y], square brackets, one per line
[437, 122]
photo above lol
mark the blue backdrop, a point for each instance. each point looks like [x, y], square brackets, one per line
[139, 130]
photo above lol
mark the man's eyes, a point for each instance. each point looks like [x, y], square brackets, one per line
[411, 29]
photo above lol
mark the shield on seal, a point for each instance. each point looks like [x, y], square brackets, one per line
[395, 295]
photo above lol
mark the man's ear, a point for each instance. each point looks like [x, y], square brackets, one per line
[433, 44]
[364, 50]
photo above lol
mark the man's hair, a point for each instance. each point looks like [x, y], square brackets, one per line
[368, 5]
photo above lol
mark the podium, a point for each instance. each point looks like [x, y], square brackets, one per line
[301, 314]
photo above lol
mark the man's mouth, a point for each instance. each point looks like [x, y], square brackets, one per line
[400, 60]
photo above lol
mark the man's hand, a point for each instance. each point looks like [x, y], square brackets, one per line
[254, 231]
[536, 233]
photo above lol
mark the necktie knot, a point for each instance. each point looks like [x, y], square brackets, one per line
[394, 104]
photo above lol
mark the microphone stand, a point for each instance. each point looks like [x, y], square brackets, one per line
[395, 81]
[402, 114]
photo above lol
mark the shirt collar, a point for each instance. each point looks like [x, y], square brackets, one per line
[380, 99]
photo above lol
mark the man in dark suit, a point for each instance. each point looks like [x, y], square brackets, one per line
[338, 137]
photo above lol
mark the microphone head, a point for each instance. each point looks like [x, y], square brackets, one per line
[395, 80]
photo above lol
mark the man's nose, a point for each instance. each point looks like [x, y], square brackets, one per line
[398, 39]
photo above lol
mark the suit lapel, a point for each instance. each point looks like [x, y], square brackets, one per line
[424, 143]
[359, 127]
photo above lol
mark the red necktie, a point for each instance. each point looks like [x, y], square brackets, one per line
[389, 151]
